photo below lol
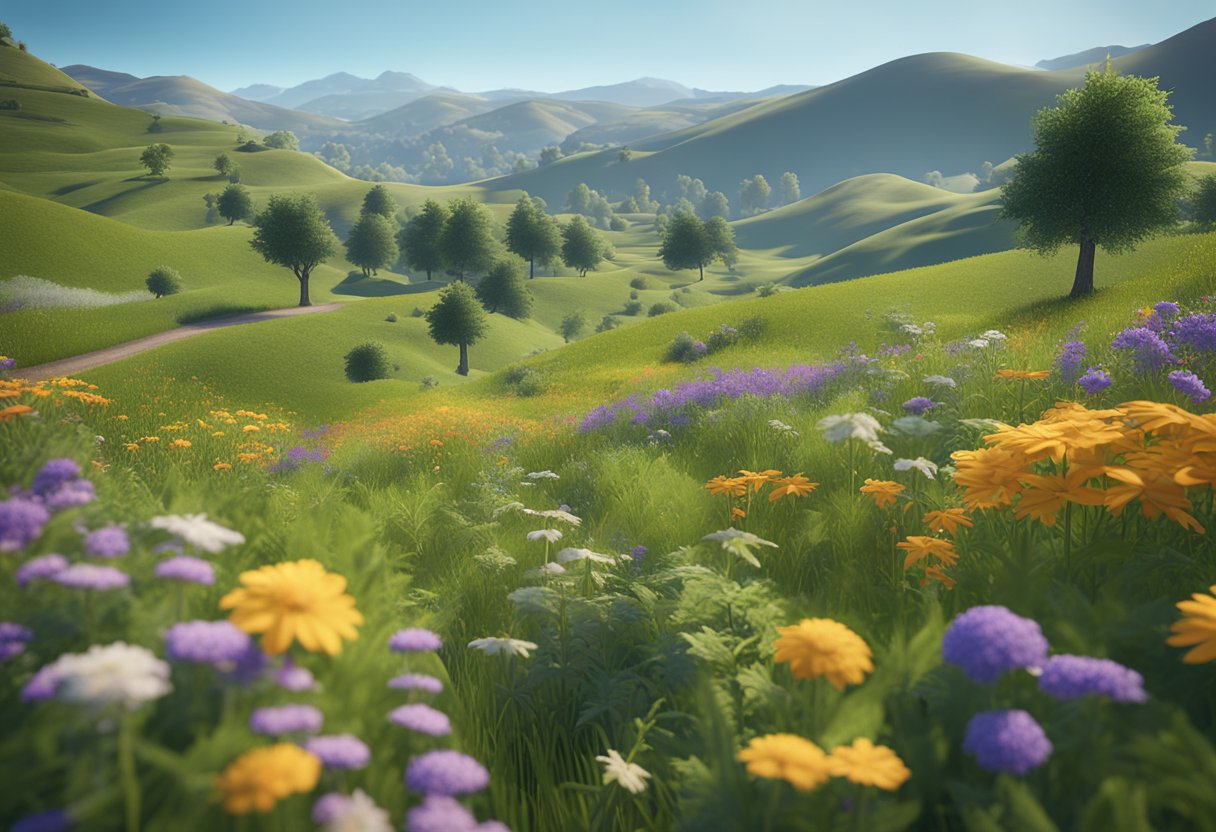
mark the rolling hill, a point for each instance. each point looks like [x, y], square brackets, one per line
[343, 83]
[424, 114]
[1090, 57]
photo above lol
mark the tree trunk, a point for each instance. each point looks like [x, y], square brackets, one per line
[531, 268]
[701, 269]
[463, 368]
[428, 275]
[304, 301]
[1083, 283]
[231, 221]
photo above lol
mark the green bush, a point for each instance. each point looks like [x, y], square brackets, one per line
[428, 383]
[639, 282]
[634, 307]
[661, 308]
[164, 281]
[367, 362]
[684, 349]
[617, 224]
[392, 317]
[524, 381]
[608, 323]
[633, 295]
[417, 313]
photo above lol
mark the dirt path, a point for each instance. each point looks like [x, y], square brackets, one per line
[80, 363]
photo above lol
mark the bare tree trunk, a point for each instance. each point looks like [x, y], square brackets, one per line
[531, 268]
[304, 301]
[701, 269]
[1083, 283]
[463, 368]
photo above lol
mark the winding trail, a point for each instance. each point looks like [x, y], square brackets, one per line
[99, 358]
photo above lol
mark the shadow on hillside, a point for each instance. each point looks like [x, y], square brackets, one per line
[75, 186]
[100, 205]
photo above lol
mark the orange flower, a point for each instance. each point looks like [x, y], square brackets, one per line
[920, 547]
[222, 466]
[793, 486]
[755, 480]
[932, 573]
[728, 486]
[884, 492]
[948, 520]
[1045, 495]
[822, 647]
[989, 476]
[737, 512]
[13, 411]
[180, 443]
[1197, 629]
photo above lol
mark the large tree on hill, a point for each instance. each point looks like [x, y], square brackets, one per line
[282, 140]
[156, 158]
[223, 164]
[687, 244]
[532, 234]
[379, 201]
[505, 290]
[235, 203]
[582, 246]
[458, 319]
[370, 245]
[467, 244]
[419, 238]
[1107, 170]
[292, 231]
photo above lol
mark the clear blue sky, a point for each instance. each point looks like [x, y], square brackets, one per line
[550, 46]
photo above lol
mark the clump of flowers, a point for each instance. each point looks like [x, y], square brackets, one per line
[260, 778]
[817, 647]
[989, 641]
[1007, 742]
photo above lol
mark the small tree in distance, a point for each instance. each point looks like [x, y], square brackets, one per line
[419, 238]
[582, 246]
[688, 244]
[1203, 203]
[235, 203]
[292, 231]
[156, 158]
[791, 191]
[532, 234]
[379, 201]
[223, 164]
[457, 319]
[164, 281]
[282, 140]
[466, 244]
[504, 290]
[754, 194]
[572, 324]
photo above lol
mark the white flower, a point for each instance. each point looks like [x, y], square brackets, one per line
[993, 335]
[781, 427]
[860, 426]
[630, 776]
[501, 510]
[943, 381]
[568, 555]
[115, 674]
[543, 475]
[911, 329]
[925, 466]
[504, 646]
[198, 531]
[978, 343]
[555, 514]
[551, 569]
[739, 543]
[551, 535]
[359, 813]
[527, 484]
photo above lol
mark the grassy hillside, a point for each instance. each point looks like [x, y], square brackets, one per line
[426, 113]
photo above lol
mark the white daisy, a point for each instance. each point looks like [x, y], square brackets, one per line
[198, 531]
[630, 776]
[115, 674]
[503, 646]
[925, 466]
[551, 535]
[571, 554]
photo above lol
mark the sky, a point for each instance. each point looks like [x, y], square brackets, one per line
[544, 45]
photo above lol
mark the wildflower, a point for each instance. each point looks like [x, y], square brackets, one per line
[1157, 492]
[446, 773]
[787, 757]
[782, 427]
[414, 640]
[198, 531]
[1024, 375]
[919, 404]
[727, 486]
[1006, 742]
[260, 778]
[934, 573]
[630, 776]
[14, 410]
[52, 820]
[1070, 361]
[920, 547]
[222, 466]
[883, 492]
[1044, 495]
[90, 576]
[438, 813]
[860, 426]
[354, 813]
[571, 554]
[297, 600]
[1196, 332]
[941, 381]
[218, 643]
[755, 480]
[416, 681]
[543, 475]
[21, 523]
[181, 443]
[54, 475]
[1071, 677]
[42, 568]
[186, 568]
[822, 647]
[948, 520]
[792, 486]
[1191, 385]
[290, 676]
[555, 514]
[550, 535]
[13, 638]
[422, 718]
[505, 646]
[117, 674]
[285, 719]
[1197, 628]
[42, 684]
[1146, 346]
[108, 542]
[867, 764]
[988, 641]
[925, 466]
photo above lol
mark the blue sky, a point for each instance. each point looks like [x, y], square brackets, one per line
[546, 45]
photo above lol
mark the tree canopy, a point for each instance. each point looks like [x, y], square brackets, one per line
[467, 244]
[292, 231]
[156, 158]
[1203, 203]
[164, 280]
[532, 233]
[505, 290]
[282, 140]
[379, 201]
[582, 246]
[457, 318]
[791, 191]
[687, 243]
[419, 238]
[235, 203]
[223, 164]
[754, 194]
[371, 245]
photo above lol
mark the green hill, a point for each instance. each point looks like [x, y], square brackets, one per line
[424, 114]
[1178, 62]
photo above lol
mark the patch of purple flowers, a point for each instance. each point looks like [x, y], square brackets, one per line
[52, 820]
[107, 542]
[186, 568]
[919, 405]
[445, 772]
[414, 640]
[1006, 742]
[1071, 677]
[218, 643]
[1146, 347]
[1191, 385]
[440, 814]
[298, 456]
[13, 638]
[42, 685]
[328, 808]
[91, 576]
[1094, 381]
[422, 718]
[21, 523]
[1196, 332]
[1070, 361]
[42, 568]
[416, 681]
[293, 677]
[988, 641]
[54, 475]
[285, 719]
[344, 751]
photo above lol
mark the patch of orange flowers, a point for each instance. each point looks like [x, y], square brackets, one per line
[750, 483]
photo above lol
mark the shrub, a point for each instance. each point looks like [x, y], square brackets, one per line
[524, 381]
[608, 323]
[617, 224]
[392, 317]
[634, 307]
[10, 104]
[661, 308]
[573, 324]
[428, 383]
[769, 289]
[685, 349]
[639, 282]
[164, 281]
[751, 329]
[721, 338]
[367, 362]
[633, 295]
[417, 313]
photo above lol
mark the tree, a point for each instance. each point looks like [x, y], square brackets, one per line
[457, 319]
[550, 154]
[436, 163]
[419, 239]
[1107, 170]
[164, 281]
[532, 234]
[467, 245]
[5, 31]
[235, 203]
[624, 155]
[572, 324]
[791, 192]
[754, 194]
[641, 194]
[722, 241]
[370, 245]
[1203, 204]
[282, 140]
[715, 204]
[582, 246]
[367, 362]
[291, 231]
[1207, 148]
[691, 189]
[156, 158]
[686, 244]
[223, 164]
[505, 290]
[379, 201]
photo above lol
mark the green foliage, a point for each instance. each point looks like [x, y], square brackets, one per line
[624, 155]
[466, 244]
[235, 203]
[662, 308]
[292, 231]
[505, 290]
[714, 205]
[378, 200]
[367, 362]
[573, 323]
[223, 164]
[156, 158]
[582, 246]
[458, 319]
[590, 203]
[791, 191]
[164, 281]
[754, 194]
[371, 245]
[532, 233]
[722, 241]
[641, 282]
[550, 154]
[419, 239]
[684, 349]
[1203, 203]
[5, 31]
[282, 140]
[524, 381]
[687, 244]
[633, 307]
[608, 323]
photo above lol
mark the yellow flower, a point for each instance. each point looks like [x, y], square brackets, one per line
[217, 433]
[867, 764]
[1155, 488]
[180, 443]
[222, 466]
[822, 647]
[729, 486]
[933, 573]
[121, 417]
[1197, 629]
[755, 480]
[295, 600]
[258, 779]
[251, 428]
[132, 446]
[14, 410]
[884, 492]
[988, 476]
[1023, 374]
[787, 757]
[150, 439]
[1045, 495]
[920, 547]
[795, 486]
[738, 513]
[948, 520]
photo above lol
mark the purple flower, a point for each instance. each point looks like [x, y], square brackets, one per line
[285, 719]
[74, 493]
[1070, 361]
[54, 475]
[919, 404]
[107, 542]
[13, 638]
[414, 640]
[248, 667]
[11, 650]
[988, 641]
[328, 808]
[1146, 346]
[41, 568]
[42, 685]
[52, 820]
[422, 718]
[445, 772]
[21, 523]
[1191, 385]
[293, 677]
[1196, 332]
[440, 814]
[218, 643]
[7, 363]
[186, 568]
[91, 576]
[1094, 381]
[416, 681]
[1006, 742]
[340, 751]
[1071, 677]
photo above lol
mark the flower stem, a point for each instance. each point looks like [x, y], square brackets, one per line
[126, 769]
